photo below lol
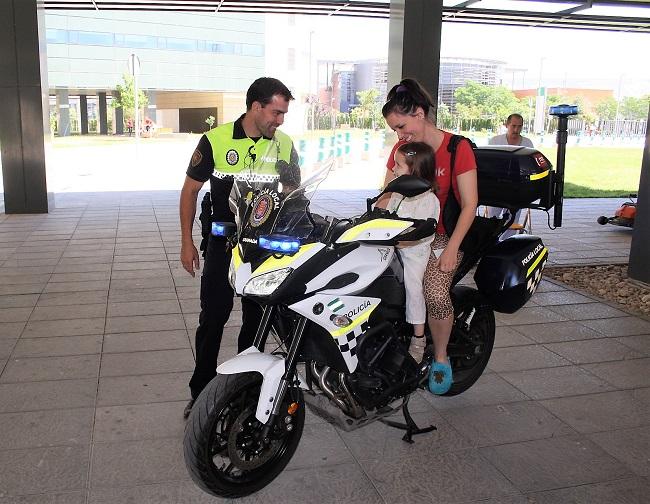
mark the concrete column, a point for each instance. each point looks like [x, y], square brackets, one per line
[639, 268]
[63, 112]
[414, 37]
[24, 121]
[119, 117]
[103, 118]
[150, 111]
[83, 114]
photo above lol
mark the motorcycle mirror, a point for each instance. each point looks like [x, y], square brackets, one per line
[408, 185]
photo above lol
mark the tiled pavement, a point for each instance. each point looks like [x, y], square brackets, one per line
[96, 325]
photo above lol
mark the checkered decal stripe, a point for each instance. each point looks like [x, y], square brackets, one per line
[251, 177]
[348, 344]
[535, 279]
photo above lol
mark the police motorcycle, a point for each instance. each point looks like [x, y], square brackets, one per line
[333, 335]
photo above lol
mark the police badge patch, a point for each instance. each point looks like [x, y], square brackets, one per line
[196, 157]
[263, 206]
[232, 157]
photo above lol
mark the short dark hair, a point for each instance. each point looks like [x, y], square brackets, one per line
[422, 161]
[406, 97]
[263, 90]
[511, 116]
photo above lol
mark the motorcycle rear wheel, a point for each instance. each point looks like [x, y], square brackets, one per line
[468, 368]
[222, 453]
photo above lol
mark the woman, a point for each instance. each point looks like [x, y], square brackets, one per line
[409, 111]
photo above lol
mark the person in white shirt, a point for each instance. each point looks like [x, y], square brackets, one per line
[416, 158]
[512, 136]
[514, 123]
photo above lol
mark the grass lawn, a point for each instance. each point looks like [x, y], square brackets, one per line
[599, 172]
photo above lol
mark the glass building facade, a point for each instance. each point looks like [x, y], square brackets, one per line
[177, 51]
[456, 72]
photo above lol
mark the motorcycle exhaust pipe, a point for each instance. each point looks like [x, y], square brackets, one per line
[356, 410]
[322, 384]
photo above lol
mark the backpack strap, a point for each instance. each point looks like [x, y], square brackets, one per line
[453, 146]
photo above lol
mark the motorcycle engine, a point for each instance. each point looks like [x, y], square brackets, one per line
[385, 368]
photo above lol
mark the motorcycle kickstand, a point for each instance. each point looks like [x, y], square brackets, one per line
[410, 426]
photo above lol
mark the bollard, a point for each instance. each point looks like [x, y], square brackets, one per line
[302, 150]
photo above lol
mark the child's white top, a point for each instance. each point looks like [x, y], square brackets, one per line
[423, 206]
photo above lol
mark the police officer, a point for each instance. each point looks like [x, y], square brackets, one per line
[252, 144]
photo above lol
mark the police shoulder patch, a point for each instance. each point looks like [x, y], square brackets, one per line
[196, 157]
[232, 157]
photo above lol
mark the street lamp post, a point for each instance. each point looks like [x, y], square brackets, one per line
[311, 99]
[618, 105]
[540, 102]
[134, 68]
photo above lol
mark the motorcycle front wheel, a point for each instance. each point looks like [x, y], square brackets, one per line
[224, 453]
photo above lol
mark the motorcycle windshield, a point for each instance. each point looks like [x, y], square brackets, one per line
[278, 207]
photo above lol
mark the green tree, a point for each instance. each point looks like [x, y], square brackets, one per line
[469, 101]
[500, 104]
[632, 107]
[368, 110]
[491, 103]
[444, 119]
[126, 97]
[526, 107]
[606, 109]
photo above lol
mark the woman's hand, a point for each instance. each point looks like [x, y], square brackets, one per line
[447, 260]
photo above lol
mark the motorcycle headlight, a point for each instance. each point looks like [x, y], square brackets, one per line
[264, 285]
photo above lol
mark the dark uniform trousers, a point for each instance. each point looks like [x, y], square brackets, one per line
[216, 305]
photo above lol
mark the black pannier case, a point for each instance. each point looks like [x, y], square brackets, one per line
[510, 272]
[514, 177]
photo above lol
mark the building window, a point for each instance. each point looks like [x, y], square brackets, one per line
[252, 50]
[181, 44]
[223, 47]
[95, 38]
[140, 41]
[56, 36]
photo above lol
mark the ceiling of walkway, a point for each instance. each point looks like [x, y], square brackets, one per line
[610, 15]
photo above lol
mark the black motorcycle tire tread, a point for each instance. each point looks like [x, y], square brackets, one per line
[461, 386]
[197, 432]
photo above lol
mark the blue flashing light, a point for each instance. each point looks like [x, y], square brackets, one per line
[226, 229]
[563, 110]
[279, 243]
[218, 229]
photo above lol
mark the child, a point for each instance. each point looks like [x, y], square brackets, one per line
[416, 158]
